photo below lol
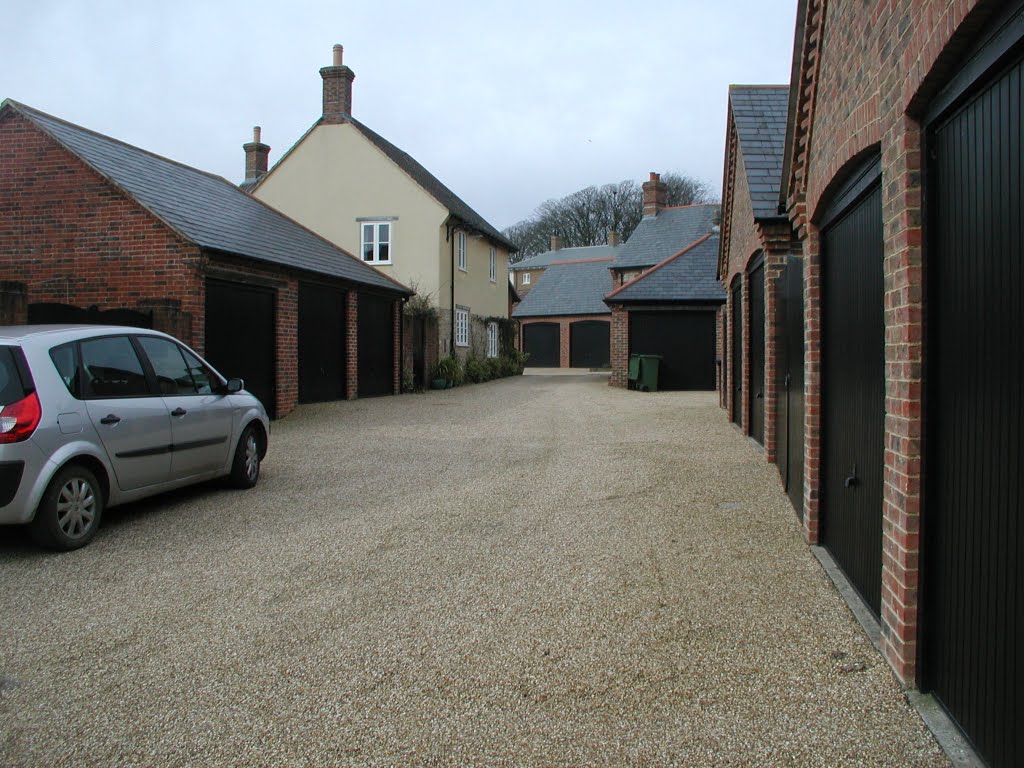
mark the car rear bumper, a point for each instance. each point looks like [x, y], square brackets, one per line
[21, 465]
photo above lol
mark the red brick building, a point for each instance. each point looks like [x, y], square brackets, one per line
[563, 322]
[902, 179]
[90, 222]
[760, 339]
[665, 296]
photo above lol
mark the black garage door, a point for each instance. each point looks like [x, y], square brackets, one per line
[789, 423]
[45, 313]
[240, 336]
[757, 353]
[376, 345]
[737, 351]
[686, 342]
[853, 386]
[590, 344]
[541, 343]
[973, 515]
[321, 343]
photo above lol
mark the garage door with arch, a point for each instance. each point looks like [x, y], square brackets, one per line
[590, 344]
[756, 293]
[541, 341]
[789, 416]
[737, 351]
[240, 336]
[853, 382]
[321, 343]
[684, 339]
[376, 345]
[973, 505]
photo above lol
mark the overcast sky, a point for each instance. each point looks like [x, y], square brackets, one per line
[509, 104]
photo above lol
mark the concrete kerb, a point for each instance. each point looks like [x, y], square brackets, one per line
[946, 733]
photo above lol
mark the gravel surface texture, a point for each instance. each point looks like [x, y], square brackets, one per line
[531, 572]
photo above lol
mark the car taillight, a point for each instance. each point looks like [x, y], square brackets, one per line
[19, 420]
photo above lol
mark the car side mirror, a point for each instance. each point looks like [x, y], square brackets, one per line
[235, 385]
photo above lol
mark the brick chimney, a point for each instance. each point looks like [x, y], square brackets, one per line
[556, 243]
[337, 89]
[613, 238]
[256, 155]
[655, 195]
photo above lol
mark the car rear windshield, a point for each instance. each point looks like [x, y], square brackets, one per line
[13, 376]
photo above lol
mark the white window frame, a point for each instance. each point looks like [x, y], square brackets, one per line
[494, 265]
[460, 249]
[376, 240]
[492, 339]
[526, 278]
[461, 327]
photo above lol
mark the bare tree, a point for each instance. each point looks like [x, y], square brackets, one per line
[588, 216]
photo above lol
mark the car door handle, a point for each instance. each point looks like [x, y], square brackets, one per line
[178, 412]
[110, 419]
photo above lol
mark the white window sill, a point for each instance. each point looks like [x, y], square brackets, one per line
[378, 263]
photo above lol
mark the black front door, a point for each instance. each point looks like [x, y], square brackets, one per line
[590, 344]
[737, 352]
[541, 343]
[376, 345]
[853, 393]
[240, 336]
[757, 354]
[321, 343]
[685, 340]
[789, 415]
[973, 508]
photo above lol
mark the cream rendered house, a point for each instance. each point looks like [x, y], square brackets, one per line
[367, 196]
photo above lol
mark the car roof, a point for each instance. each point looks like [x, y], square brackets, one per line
[66, 332]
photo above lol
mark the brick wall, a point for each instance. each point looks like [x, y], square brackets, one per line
[620, 347]
[72, 238]
[862, 93]
[351, 344]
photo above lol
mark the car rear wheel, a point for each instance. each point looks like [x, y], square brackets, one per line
[245, 470]
[69, 513]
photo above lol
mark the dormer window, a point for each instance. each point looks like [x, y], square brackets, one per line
[526, 278]
[377, 238]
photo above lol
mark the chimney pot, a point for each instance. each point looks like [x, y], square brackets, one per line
[556, 243]
[338, 51]
[256, 135]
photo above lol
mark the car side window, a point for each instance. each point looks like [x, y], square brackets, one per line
[172, 375]
[207, 382]
[66, 363]
[111, 368]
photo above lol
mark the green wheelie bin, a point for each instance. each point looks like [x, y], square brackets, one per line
[647, 381]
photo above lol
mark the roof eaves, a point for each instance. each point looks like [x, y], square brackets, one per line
[581, 261]
[659, 265]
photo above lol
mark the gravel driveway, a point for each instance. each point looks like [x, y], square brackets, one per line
[531, 572]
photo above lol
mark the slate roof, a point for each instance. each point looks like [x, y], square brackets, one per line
[759, 113]
[658, 237]
[205, 209]
[569, 288]
[686, 276]
[566, 254]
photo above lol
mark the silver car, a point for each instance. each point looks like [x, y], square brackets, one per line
[93, 416]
